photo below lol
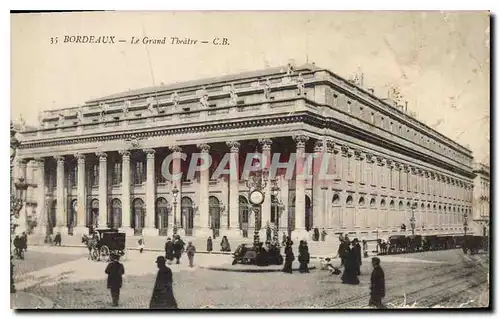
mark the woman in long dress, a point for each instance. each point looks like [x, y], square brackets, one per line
[163, 294]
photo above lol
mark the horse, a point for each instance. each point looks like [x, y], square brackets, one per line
[91, 244]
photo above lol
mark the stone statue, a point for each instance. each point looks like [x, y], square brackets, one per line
[233, 95]
[22, 122]
[267, 89]
[151, 105]
[126, 107]
[61, 119]
[79, 115]
[300, 85]
[175, 99]
[102, 116]
[204, 100]
[40, 119]
[289, 70]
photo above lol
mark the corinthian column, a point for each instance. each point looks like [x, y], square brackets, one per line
[234, 183]
[81, 219]
[150, 229]
[300, 188]
[265, 165]
[317, 194]
[40, 197]
[61, 215]
[203, 229]
[103, 189]
[126, 212]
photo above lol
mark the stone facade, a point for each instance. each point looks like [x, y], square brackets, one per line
[100, 163]
[481, 200]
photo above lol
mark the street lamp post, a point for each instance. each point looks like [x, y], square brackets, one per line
[255, 184]
[175, 192]
[412, 219]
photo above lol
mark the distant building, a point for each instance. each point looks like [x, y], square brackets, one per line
[481, 201]
[100, 163]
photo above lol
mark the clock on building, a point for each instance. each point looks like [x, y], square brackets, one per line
[256, 197]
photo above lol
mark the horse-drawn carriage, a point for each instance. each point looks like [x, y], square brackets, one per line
[257, 255]
[104, 242]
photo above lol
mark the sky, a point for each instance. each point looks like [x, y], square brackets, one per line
[440, 61]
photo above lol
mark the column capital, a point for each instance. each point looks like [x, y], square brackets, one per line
[39, 160]
[330, 146]
[360, 154]
[124, 153]
[59, 159]
[175, 148]
[390, 163]
[320, 146]
[204, 148]
[301, 140]
[101, 155]
[80, 157]
[381, 161]
[150, 153]
[266, 143]
[234, 145]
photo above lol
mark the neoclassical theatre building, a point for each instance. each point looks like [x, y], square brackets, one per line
[100, 163]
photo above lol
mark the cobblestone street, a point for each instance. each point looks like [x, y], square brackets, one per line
[65, 277]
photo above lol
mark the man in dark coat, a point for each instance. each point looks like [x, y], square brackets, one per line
[115, 271]
[210, 245]
[343, 250]
[349, 275]
[268, 233]
[178, 249]
[289, 257]
[356, 247]
[24, 237]
[377, 284]
[169, 250]
[303, 257]
[57, 240]
[163, 294]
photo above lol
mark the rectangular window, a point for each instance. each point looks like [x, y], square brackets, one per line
[95, 175]
[139, 173]
[72, 175]
[117, 173]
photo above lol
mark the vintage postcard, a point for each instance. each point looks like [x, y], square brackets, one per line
[187, 160]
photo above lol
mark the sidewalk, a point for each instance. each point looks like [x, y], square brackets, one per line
[23, 301]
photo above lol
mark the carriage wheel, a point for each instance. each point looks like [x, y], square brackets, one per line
[105, 252]
[94, 254]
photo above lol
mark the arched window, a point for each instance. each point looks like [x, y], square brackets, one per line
[139, 214]
[392, 204]
[408, 205]
[422, 206]
[243, 207]
[336, 199]
[372, 203]
[116, 213]
[361, 201]
[349, 200]
[428, 206]
[161, 220]
[382, 203]
[400, 204]
[187, 214]
[214, 212]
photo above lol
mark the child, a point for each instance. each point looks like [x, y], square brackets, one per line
[190, 250]
[141, 244]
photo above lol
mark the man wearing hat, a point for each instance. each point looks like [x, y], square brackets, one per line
[115, 271]
[163, 294]
[377, 284]
[356, 248]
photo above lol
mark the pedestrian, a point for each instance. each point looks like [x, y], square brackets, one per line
[349, 276]
[169, 250]
[357, 253]
[303, 257]
[163, 293]
[289, 257]
[316, 234]
[190, 250]
[285, 238]
[365, 249]
[210, 245]
[224, 244]
[57, 239]
[24, 237]
[343, 250]
[323, 234]
[115, 272]
[178, 249]
[377, 284]
[141, 243]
